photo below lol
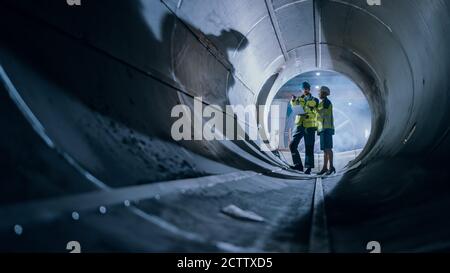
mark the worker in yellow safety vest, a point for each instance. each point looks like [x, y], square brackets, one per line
[305, 127]
[325, 122]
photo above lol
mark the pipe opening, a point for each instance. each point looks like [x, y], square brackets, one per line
[351, 111]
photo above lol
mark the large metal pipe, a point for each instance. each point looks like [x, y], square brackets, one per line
[103, 77]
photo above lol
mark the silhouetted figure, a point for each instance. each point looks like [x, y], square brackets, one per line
[306, 127]
[325, 123]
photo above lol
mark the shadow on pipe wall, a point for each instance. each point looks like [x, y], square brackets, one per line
[103, 86]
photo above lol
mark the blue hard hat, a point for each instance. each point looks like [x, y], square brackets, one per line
[306, 85]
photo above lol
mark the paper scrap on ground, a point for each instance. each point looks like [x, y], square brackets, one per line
[238, 213]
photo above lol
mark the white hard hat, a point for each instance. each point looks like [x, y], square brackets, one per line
[326, 90]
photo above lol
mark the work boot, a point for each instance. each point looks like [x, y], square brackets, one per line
[308, 171]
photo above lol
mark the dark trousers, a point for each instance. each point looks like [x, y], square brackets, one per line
[310, 138]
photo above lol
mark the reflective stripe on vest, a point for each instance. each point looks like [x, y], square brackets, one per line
[325, 119]
[310, 107]
[298, 102]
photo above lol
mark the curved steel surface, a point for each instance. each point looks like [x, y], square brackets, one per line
[101, 79]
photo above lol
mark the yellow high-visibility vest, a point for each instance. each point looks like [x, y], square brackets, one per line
[325, 118]
[309, 105]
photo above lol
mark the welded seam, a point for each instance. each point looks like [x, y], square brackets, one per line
[155, 75]
[271, 64]
[316, 45]
[49, 214]
[40, 129]
[247, 34]
[193, 237]
[31, 118]
[319, 241]
[276, 28]
[410, 134]
[353, 52]
[150, 72]
[319, 36]
[290, 4]
[317, 32]
[364, 11]
[440, 141]
[205, 42]
[271, 230]
[213, 106]
[172, 83]
[180, 3]
[396, 38]
[52, 208]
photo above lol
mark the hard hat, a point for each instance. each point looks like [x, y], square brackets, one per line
[326, 90]
[306, 85]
